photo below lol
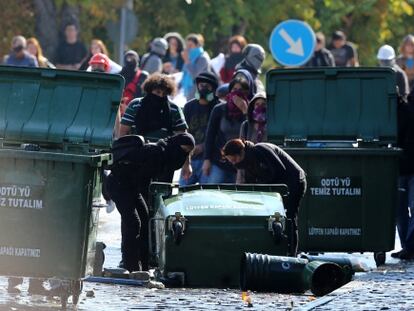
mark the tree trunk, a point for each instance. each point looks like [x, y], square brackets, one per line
[46, 30]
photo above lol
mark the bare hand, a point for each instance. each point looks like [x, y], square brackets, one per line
[184, 55]
[198, 149]
[186, 171]
[240, 103]
[206, 167]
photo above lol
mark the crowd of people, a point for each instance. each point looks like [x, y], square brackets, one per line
[220, 134]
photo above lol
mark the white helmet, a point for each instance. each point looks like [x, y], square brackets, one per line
[386, 52]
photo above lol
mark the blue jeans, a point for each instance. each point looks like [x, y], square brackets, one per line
[405, 212]
[197, 176]
[220, 176]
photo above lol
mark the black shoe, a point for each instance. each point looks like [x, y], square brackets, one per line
[406, 255]
[397, 254]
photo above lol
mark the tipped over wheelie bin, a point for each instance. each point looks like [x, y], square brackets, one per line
[202, 231]
[54, 128]
[340, 125]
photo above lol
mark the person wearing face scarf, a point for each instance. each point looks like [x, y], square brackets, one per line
[136, 165]
[265, 163]
[134, 79]
[196, 61]
[197, 112]
[235, 56]
[224, 124]
[18, 55]
[253, 57]
[254, 128]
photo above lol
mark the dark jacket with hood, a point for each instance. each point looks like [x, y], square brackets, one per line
[406, 135]
[265, 163]
[221, 128]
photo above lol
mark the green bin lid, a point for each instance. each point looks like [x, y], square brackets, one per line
[332, 104]
[53, 107]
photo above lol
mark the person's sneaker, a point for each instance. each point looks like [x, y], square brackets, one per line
[397, 254]
[407, 255]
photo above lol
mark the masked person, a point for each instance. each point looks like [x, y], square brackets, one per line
[265, 163]
[224, 124]
[253, 58]
[197, 112]
[235, 56]
[18, 55]
[136, 164]
[196, 61]
[134, 79]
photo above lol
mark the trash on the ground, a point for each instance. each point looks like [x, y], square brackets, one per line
[291, 275]
[119, 281]
[155, 284]
[90, 294]
[140, 275]
[116, 273]
[247, 299]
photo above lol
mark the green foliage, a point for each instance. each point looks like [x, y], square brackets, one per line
[367, 23]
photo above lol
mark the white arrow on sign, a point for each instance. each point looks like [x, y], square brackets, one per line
[296, 47]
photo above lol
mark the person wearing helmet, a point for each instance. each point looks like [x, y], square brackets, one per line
[152, 62]
[136, 164]
[196, 61]
[253, 57]
[197, 113]
[100, 63]
[386, 58]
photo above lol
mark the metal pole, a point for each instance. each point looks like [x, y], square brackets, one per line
[122, 36]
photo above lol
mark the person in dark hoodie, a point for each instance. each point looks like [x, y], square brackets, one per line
[173, 62]
[136, 164]
[197, 113]
[405, 209]
[254, 128]
[253, 57]
[265, 163]
[235, 56]
[224, 124]
[152, 61]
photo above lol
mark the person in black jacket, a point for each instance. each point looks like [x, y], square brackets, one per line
[135, 165]
[321, 57]
[265, 163]
[405, 210]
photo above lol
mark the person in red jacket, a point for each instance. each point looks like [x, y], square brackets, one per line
[235, 56]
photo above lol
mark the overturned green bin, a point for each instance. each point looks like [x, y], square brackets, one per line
[340, 125]
[54, 127]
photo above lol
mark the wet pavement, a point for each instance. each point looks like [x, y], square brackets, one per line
[373, 290]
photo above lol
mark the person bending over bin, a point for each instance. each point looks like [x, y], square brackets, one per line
[265, 163]
[135, 165]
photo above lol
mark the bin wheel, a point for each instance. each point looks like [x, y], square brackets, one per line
[379, 258]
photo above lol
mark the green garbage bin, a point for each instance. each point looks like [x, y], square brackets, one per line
[54, 127]
[340, 124]
[202, 232]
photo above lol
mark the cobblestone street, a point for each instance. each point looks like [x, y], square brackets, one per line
[389, 288]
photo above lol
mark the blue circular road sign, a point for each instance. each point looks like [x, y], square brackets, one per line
[292, 43]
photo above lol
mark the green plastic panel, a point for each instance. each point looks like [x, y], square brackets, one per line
[332, 104]
[49, 107]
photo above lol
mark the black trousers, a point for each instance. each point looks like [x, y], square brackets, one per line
[127, 195]
[292, 203]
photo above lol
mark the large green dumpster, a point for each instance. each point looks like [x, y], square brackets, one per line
[53, 127]
[202, 232]
[339, 125]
